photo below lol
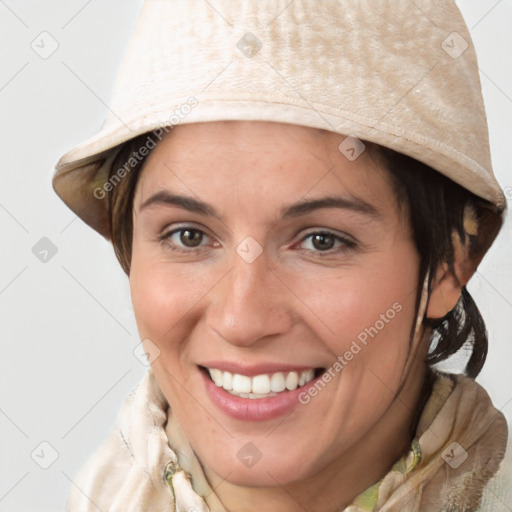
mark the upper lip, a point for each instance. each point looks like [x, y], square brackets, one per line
[250, 370]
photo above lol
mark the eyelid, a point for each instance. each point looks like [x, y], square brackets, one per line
[178, 226]
[329, 231]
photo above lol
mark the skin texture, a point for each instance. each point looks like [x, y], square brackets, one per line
[293, 304]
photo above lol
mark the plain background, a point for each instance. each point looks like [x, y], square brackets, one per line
[67, 327]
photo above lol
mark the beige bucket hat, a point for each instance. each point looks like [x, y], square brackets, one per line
[400, 73]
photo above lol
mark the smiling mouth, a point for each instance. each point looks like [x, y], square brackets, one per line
[261, 386]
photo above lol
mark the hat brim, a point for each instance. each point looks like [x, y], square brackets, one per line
[84, 169]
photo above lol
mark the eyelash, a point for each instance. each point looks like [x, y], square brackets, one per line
[345, 242]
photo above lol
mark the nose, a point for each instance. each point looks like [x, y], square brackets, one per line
[250, 304]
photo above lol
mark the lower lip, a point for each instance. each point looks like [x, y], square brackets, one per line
[257, 409]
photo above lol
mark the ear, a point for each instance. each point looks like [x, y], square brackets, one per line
[447, 286]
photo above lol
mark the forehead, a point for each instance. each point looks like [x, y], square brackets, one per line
[247, 138]
[258, 157]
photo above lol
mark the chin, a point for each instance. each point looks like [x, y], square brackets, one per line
[265, 472]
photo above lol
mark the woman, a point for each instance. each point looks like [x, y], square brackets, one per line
[299, 196]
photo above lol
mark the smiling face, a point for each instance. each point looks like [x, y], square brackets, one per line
[262, 254]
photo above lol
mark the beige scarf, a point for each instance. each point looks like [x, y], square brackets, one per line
[136, 469]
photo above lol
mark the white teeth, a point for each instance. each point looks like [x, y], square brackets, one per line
[277, 383]
[253, 395]
[260, 386]
[309, 375]
[227, 380]
[292, 380]
[216, 376]
[242, 383]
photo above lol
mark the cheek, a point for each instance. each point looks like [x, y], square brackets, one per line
[162, 294]
[365, 316]
[163, 305]
[156, 308]
[370, 305]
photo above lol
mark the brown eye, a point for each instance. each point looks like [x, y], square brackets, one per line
[323, 241]
[191, 237]
[182, 239]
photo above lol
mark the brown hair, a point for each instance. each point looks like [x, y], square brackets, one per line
[435, 206]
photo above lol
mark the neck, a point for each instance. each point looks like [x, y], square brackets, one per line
[365, 463]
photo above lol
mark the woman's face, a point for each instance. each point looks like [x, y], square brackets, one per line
[263, 256]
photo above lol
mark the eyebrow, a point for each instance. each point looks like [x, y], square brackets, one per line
[346, 203]
[190, 204]
[187, 203]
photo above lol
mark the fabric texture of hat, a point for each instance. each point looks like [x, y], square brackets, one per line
[401, 74]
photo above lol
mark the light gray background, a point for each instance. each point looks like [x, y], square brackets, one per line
[67, 327]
